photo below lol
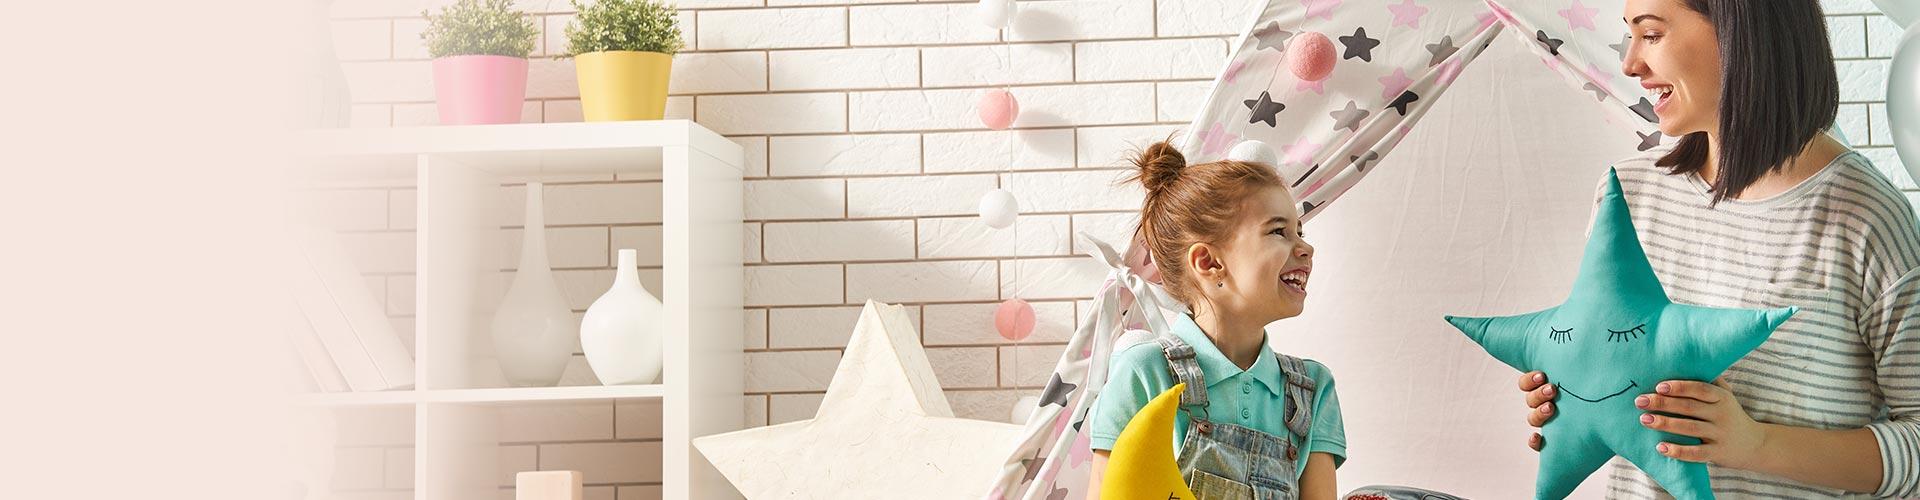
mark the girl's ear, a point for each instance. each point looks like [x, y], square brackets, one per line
[1201, 259]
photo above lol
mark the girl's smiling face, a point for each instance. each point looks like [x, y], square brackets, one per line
[1266, 260]
[1676, 55]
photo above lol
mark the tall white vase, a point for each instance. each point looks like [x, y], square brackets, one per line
[533, 331]
[621, 332]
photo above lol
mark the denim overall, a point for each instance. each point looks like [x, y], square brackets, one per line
[1230, 462]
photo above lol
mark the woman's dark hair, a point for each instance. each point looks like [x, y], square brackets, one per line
[1778, 89]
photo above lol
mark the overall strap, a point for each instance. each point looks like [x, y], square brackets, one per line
[1186, 370]
[1300, 389]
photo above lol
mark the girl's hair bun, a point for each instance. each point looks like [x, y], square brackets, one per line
[1160, 164]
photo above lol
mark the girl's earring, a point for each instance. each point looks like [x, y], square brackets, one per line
[1222, 284]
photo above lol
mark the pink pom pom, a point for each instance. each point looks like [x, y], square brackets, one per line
[998, 109]
[1014, 319]
[1310, 56]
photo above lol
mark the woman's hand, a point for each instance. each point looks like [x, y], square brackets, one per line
[1540, 396]
[1729, 437]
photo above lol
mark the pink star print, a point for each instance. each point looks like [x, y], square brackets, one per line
[1215, 139]
[1407, 14]
[1317, 86]
[1300, 152]
[1321, 8]
[1392, 85]
[1324, 179]
[1449, 70]
[1233, 71]
[1081, 452]
[1579, 16]
[1502, 13]
[1597, 75]
[1485, 19]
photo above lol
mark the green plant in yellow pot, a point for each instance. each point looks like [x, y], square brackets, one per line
[623, 53]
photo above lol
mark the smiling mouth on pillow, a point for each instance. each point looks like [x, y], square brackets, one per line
[1630, 385]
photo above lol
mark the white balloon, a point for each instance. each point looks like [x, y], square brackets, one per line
[1903, 100]
[998, 208]
[1902, 12]
[1023, 409]
[994, 13]
[1254, 152]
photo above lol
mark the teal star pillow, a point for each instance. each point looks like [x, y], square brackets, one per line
[1616, 336]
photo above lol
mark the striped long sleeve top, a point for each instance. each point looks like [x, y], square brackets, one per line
[1844, 247]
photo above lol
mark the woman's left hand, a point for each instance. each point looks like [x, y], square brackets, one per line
[1729, 438]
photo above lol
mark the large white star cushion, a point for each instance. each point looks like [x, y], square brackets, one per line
[883, 431]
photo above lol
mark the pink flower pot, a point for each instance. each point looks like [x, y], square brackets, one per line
[479, 90]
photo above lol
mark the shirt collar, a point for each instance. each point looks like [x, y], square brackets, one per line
[1218, 368]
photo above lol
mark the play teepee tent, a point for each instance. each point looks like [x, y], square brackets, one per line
[1394, 59]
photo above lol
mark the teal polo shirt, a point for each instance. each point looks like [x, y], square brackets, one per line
[1254, 398]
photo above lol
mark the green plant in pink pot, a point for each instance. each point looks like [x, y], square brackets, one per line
[479, 50]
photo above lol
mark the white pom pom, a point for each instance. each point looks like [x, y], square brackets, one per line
[1254, 152]
[1023, 409]
[998, 208]
[994, 13]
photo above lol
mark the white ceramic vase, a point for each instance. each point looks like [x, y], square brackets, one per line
[621, 332]
[533, 331]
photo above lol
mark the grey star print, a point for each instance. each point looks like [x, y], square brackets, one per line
[1033, 469]
[1272, 37]
[1626, 41]
[1645, 110]
[1359, 45]
[1648, 141]
[1361, 162]
[1264, 109]
[1348, 118]
[1599, 94]
[1303, 177]
[1400, 103]
[1056, 392]
[1552, 44]
[1441, 50]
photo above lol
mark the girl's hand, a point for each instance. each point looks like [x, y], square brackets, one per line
[1729, 437]
[1540, 399]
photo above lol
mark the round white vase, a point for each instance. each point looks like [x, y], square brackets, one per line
[533, 331]
[621, 331]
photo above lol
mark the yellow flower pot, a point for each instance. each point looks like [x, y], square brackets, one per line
[623, 85]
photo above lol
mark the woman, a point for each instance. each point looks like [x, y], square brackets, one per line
[1755, 207]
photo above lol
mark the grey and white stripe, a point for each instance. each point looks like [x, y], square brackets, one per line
[1844, 247]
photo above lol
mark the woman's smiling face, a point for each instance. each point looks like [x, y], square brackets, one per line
[1676, 55]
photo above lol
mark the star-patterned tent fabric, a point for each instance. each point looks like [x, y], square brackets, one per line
[1052, 459]
[1394, 59]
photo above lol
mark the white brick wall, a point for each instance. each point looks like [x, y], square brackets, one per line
[1863, 42]
[865, 164]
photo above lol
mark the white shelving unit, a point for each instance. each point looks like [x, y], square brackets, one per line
[458, 171]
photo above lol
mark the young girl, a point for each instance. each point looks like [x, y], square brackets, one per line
[1253, 424]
